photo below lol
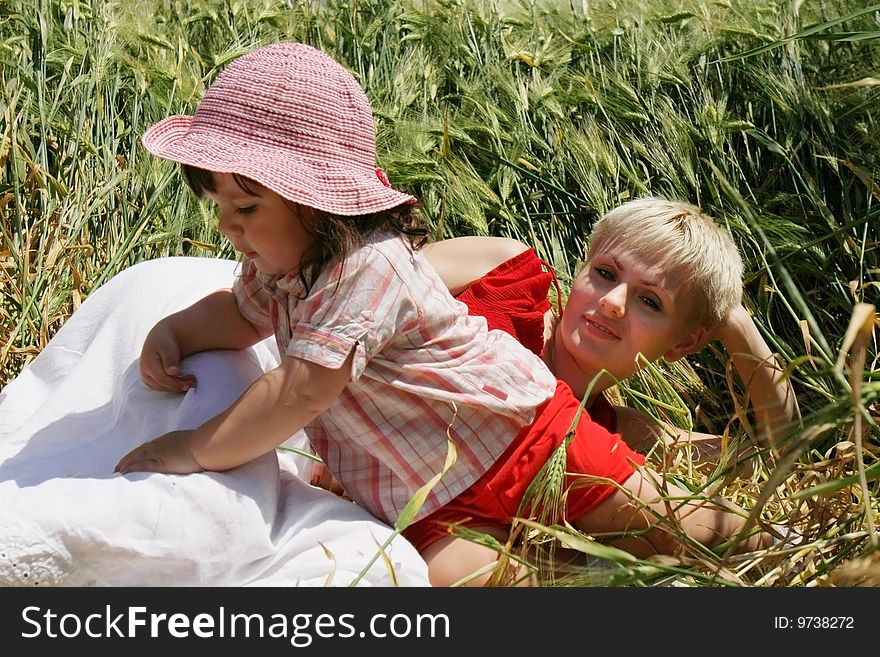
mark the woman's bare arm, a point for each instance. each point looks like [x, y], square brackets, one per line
[769, 391]
[462, 260]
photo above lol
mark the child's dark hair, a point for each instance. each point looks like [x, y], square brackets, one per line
[335, 235]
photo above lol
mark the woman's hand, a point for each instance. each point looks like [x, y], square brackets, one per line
[170, 453]
[160, 361]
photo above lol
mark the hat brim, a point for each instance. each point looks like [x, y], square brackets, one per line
[332, 189]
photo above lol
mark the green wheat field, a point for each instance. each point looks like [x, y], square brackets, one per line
[528, 120]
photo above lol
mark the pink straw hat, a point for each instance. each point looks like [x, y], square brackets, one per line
[291, 118]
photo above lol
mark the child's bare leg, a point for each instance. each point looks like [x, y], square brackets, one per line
[643, 509]
[453, 559]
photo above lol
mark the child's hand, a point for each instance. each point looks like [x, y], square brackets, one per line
[169, 453]
[160, 361]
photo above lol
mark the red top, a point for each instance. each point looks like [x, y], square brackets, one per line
[513, 297]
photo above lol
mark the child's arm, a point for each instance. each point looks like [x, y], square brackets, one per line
[276, 406]
[213, 322]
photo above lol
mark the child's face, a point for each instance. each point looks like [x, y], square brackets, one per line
[620, 305]
[261, 225]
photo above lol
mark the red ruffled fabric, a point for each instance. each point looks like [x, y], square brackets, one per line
[513, 297]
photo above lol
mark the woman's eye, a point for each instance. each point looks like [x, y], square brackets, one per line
[246, 210]
[651, 302]
[604, 272]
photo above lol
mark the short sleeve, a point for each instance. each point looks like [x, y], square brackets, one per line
[361, 304]
[252, 298]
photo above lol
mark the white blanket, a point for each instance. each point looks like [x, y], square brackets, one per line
[67, 519]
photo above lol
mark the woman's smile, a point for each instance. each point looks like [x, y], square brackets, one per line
[601, 330]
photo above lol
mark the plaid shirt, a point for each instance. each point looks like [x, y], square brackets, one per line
[423, 370]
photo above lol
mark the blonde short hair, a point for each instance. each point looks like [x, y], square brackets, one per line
[681, 239]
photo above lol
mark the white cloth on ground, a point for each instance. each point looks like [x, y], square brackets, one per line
[67, 519]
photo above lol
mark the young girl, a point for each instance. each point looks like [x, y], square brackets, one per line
[382, 367]
[380, 364]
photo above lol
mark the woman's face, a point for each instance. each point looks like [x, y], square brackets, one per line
[620, 307]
